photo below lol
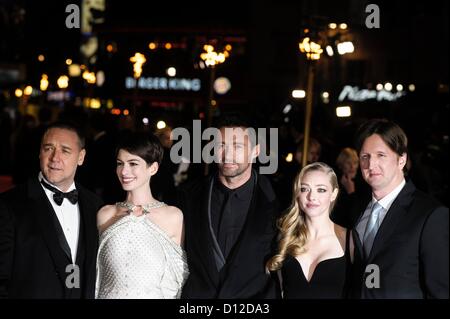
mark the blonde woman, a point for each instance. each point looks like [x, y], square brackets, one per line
[348, 163]
[313, 256]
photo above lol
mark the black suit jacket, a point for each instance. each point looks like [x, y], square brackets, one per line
[411, 249]
[34, 253]
[243, 275]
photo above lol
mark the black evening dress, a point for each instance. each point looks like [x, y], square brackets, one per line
[329, 280]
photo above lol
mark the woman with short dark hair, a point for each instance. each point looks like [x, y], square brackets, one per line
[140, 252]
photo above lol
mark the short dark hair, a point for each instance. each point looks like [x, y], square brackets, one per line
[145, 145]
[235, 119]
[70, 126]
[392, 134]
[239, 119]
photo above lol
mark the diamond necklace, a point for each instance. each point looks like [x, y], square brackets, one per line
[145, 208]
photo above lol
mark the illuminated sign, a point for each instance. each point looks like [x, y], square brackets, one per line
[58, 96]
[163, 83]
[353, 93]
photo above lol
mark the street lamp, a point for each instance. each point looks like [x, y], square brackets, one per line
[330, 36]
[211, 59]
[138, 61]
[313, 51]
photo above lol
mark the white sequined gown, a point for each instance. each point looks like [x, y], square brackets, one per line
[136, 259]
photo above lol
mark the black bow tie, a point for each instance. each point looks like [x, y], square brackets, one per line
[59, 196]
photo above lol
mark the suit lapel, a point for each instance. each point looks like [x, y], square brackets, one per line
[205, 236]
[392, 218]
[357, 241]
[45, 218]
[360, 205]
[87, 226]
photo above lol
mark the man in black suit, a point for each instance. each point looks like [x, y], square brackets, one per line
[230, 223]
[48, 234]
[401, 237]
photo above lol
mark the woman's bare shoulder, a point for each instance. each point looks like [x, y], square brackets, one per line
[106, 213]
[174, 213]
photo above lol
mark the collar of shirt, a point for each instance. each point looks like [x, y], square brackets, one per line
[41, 177]
[386, 201]
[243, 192]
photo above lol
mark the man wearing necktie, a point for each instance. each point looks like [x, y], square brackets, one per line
[401, 238]
[48, 234]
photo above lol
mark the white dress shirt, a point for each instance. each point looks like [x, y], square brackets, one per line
[68, 215]
[385, 202]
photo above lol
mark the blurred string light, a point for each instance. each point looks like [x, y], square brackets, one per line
[343, 111]
[28, 90]
[100, 78]
[68, 61]
[345, 47]
[160, 125]
[312, 49]
[63, 82]
[287, 108]
[388, 86]
[298, 94]
[89, 77]
[411, 87]
[41, 58]
[109, 104]
[44, 82]
[222, 85]
[111, 47]
[171, 71]
[18, 92]
[167, 45]
[95, 104]
[399, 87]
[74, 70]
[138, 60]
[332, 26]
[325, 97]
[329, 50]
[289, 157]
[212, 57]
[337, 31]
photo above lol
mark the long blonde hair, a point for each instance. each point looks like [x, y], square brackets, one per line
[292, 225]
